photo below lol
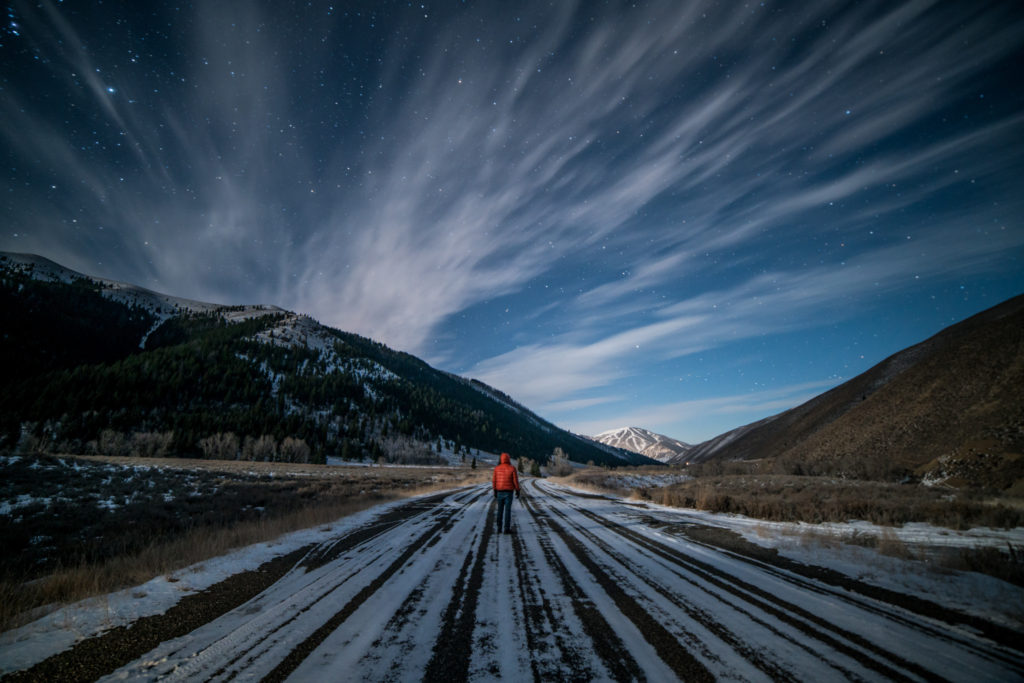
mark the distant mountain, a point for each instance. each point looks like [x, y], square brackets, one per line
[948, 410]
[93, 365]
[656, 446]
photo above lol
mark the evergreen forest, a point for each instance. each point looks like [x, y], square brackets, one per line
[83, 373]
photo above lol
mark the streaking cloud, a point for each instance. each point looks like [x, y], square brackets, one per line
[575, 202]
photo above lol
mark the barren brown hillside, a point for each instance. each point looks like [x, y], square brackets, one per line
[949, 409]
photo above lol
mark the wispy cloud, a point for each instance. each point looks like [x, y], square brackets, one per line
[386, 191]
[560, 371]
[484, 198]
[707, 417]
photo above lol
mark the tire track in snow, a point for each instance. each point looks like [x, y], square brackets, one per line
[910, 611]
[698, 614]
[303, 649]
[542, 623]
[607, 644]
[736, 644]
[95, 657]
[669, 649]
[550, 628]
[223, 648]
[319, 557]
[395, 639]
[534, 610]
[500, 634]
[328, 552]
[452, 650]
[815, 626]
[261, 636]
[389, 637]
[882, 660]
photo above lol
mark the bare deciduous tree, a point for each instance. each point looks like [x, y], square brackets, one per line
[558, 464]
[294, 450]
[262, 449]
[220, 446]
[151, 444]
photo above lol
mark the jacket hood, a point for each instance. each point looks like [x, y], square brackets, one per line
[505, 459]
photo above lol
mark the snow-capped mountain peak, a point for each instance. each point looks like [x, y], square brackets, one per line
[643, 441]
[161, 306]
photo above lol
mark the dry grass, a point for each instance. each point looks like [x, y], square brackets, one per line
[1006, 563]
[274, 468]
[290, 497]
[787, 498]
[623, 480]
[68, 585]
[742, 487]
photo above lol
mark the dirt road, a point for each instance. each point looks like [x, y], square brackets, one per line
[586, 588]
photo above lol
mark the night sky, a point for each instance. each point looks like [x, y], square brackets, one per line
[684, 216]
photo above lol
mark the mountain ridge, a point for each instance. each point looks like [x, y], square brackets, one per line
[89, 359]
[947, 410]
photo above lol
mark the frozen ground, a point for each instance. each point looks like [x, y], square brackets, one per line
[586, 588]
[829, 545]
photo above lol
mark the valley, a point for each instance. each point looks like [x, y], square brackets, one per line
[262, 496]
[587, 587]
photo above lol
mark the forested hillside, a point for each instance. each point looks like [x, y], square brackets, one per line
[84, 373]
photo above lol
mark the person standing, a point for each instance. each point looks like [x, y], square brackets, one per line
[505, 483]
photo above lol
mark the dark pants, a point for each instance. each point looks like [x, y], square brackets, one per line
[504, 510]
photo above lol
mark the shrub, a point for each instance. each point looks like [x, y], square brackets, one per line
[151, 444]
[558, 464]
[220, 446]
[810, 499]
[404, 450]
[114, 443]
[294, 450]
[262, 449]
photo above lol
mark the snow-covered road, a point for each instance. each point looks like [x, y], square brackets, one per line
[586, 588]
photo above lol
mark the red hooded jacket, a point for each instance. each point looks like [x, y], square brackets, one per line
[505, 477]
